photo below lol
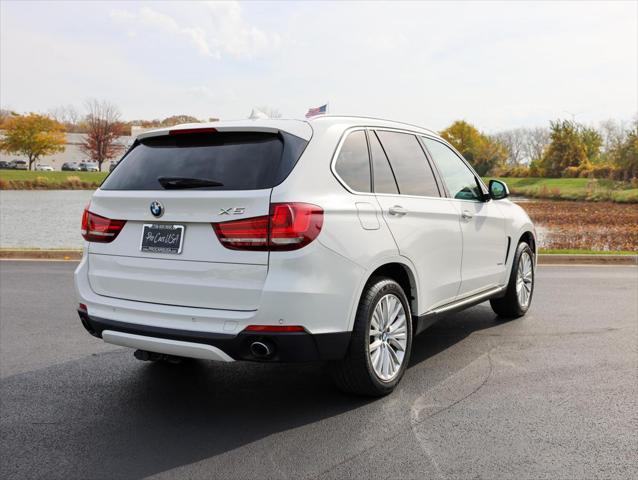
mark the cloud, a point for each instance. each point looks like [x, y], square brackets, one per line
[502, 65]
[221, 29]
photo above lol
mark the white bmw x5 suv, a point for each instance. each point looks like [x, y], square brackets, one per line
[336, 239]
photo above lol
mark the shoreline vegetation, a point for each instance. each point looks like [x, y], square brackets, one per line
[573, 189]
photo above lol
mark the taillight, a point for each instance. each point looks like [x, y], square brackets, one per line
[99, 229]
[289, 226]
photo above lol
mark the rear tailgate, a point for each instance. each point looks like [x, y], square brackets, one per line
[203, 273]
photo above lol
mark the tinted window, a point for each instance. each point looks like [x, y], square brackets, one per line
[353, 163]
[384, 181]
[237, 160]
[458, 178]
[409, 164]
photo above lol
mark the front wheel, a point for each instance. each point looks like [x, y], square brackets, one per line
[381, 341]
[520, 288]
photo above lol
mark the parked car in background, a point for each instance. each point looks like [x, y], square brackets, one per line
[18, 165]
[5, 165]
[41, 167]
[88, 167]
[336, 239]
[70, 167]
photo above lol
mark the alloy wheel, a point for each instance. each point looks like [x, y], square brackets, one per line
[388, 337]
[524, 279]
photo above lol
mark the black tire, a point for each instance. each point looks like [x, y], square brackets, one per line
[509, 305]
[354, 373]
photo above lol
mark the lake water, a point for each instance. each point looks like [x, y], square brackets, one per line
[42, 218]
[51, 219]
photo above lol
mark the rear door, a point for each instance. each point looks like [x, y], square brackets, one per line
[425, 225]
[181, 184]
[484, 238]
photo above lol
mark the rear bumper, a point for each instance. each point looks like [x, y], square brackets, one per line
[312, 287]
[288, 347]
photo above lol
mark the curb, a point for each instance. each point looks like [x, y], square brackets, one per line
[560, 259]
[543, 259]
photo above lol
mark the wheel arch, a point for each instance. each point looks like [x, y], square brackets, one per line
[528, 237]
[398, 270]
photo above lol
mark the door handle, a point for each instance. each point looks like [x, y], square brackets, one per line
[467, 215]
[397, 210]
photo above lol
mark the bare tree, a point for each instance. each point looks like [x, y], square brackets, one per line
[514, 142]
[537, 141]
[103, 129]
[614, 134]
[67, 115]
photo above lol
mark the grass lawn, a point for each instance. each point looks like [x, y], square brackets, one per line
[573, 189]
[51, 176]
[26, 180]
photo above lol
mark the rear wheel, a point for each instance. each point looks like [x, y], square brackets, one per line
[520, 288]
[381, 341]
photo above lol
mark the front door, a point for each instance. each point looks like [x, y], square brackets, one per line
[482, 223]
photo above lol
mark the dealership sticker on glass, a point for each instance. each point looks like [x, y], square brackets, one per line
[162, 238]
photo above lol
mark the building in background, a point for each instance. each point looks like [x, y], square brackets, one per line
[72, 152]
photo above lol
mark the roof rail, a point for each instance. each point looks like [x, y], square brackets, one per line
[374, 118]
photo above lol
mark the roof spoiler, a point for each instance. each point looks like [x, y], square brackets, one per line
[304, 133]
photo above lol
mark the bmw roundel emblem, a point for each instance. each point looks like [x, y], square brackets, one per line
[157, 209]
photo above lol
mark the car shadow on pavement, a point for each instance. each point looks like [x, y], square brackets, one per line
[109, 416]
[450, 330]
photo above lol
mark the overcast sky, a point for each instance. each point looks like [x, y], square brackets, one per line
[497, 64]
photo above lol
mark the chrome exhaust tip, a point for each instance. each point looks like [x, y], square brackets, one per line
[145, 356]
[261, 349]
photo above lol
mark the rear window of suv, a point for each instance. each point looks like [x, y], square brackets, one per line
[230, 160]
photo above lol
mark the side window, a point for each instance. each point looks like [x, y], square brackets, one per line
[458, 178]
[353, 163]
[409, 164]
[384, 181]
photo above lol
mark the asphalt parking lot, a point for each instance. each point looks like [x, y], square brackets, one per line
[552, 395]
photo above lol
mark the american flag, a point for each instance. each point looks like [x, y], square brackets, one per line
[317, 111]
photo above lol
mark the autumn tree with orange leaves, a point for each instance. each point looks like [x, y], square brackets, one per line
[103, 129]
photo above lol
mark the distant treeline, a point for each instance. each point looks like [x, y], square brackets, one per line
[75, 122]
[563, 149]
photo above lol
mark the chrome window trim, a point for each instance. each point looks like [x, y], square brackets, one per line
[335, 156]
[367, 129]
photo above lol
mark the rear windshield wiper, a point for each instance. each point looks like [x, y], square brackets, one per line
[174, 183]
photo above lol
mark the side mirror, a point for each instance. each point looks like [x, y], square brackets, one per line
[498, 190]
